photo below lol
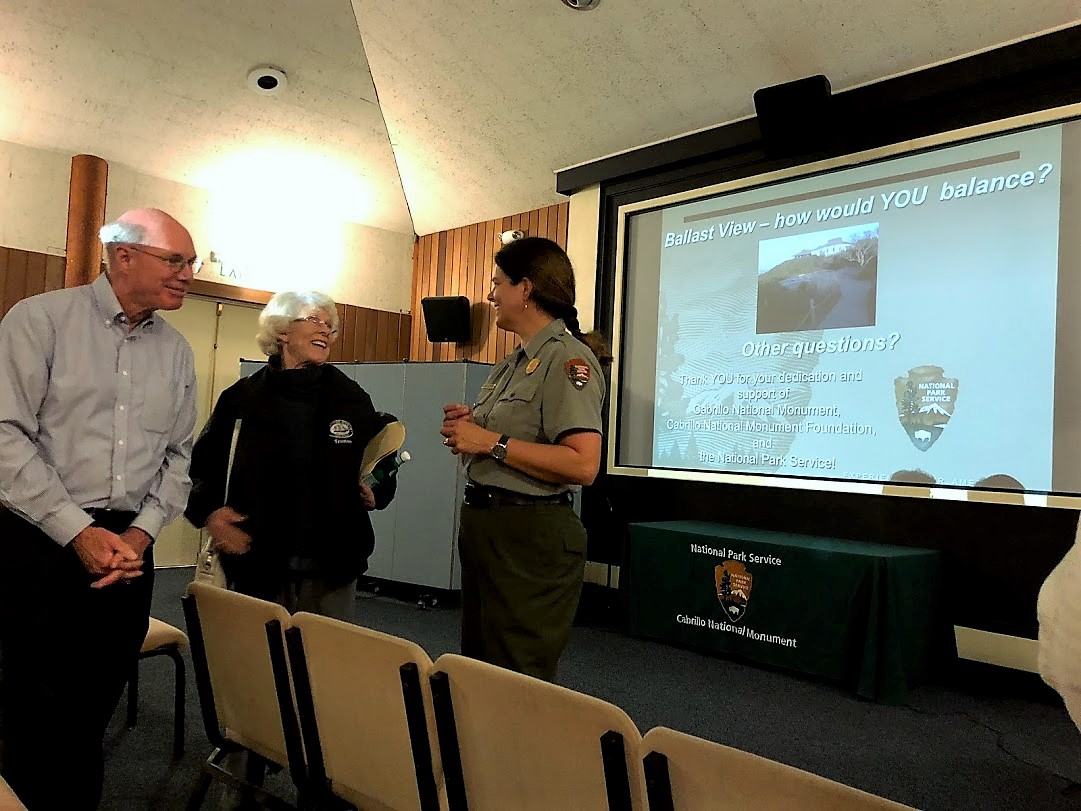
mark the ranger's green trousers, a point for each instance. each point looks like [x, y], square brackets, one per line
[522, 570]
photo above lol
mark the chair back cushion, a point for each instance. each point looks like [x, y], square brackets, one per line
[527, 744]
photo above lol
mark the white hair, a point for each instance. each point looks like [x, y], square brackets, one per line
[287, 307]
[122, 233]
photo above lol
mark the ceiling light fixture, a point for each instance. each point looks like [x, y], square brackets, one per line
[582, 5]
[267, 80]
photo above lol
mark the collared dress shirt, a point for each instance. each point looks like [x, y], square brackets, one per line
[538, 392]
[93, 413]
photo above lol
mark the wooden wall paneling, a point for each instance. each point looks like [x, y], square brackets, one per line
[359, 330]
[360, 333]
[417, 342]
[448, 264]
[414, 294]
[491, 245]
[450, 282]
[448, 260]
[371, 332]
[416, 337]
[405, 326]
[456, 279]
[439, 256]
[35, 274]
[459, 262]
[349, 347]
[453, 349]
[3, 277]
[54, 272]
[383, 342]
[562, 216]
[465, 281]
[345, 332]
[349, 334]
[14, 279]
[446, 249]
[476, 312]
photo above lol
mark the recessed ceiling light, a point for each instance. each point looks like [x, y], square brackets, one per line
[582, 5]
[267, 80]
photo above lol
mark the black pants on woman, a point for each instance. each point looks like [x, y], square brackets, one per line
[66, 651]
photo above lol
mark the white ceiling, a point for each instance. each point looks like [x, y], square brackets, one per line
[483, 100]
[160, 85]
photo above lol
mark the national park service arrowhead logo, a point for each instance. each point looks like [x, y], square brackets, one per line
[925, 402]
[577, 372]
[733, 588]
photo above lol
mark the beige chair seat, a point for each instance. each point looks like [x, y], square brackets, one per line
[707, 776]
[161, 634]
[162, 639]
[528, 745]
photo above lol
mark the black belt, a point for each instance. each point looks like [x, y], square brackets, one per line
[102, 514]
[479, 495]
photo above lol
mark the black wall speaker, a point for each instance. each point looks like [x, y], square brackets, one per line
[795, 116]
[446, 318]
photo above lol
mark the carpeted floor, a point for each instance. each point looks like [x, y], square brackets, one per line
[971, 745]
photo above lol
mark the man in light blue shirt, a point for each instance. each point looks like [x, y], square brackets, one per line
[97, 410]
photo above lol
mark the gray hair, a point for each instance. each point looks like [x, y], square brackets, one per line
[285, 308]
[120, 233]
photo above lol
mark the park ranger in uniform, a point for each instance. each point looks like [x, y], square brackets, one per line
[533, 434]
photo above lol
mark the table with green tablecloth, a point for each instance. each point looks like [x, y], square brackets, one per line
[867, 615]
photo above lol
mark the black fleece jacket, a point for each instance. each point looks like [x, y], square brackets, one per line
[281, 495]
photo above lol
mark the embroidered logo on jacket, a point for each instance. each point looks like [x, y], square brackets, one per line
[577, 371]
[341, 431]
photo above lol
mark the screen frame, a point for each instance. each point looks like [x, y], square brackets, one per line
[1060, 114]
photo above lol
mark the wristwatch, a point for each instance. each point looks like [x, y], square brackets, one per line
[499, 450]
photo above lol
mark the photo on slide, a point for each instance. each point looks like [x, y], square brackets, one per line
[822, 280]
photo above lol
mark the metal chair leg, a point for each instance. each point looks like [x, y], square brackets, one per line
[198, 794]
[179, 702]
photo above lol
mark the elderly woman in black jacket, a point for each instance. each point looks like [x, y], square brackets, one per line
[294, 528]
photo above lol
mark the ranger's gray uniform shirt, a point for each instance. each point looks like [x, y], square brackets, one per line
[93, 415]
[538, 402]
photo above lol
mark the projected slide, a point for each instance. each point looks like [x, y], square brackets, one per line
[892, 321]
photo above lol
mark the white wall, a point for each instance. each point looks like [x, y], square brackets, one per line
[259, 246]
[33, 198]
[583, 222]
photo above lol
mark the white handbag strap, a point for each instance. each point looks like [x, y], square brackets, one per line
[232, 453]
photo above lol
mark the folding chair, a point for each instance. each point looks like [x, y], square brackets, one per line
[512, 741]
[162, 639]
[365, 715]
[692, 774]
[238, 655]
